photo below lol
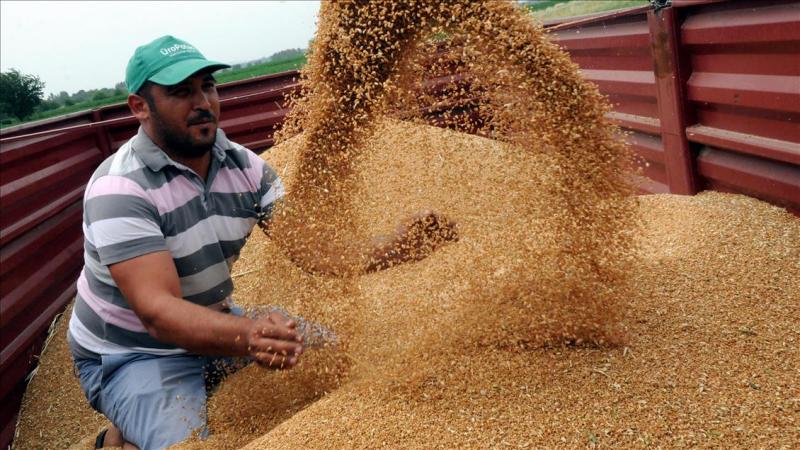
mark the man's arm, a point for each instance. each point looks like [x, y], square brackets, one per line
[151, 285]
[414, 239]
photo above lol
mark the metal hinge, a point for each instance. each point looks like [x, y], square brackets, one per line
[661, 4]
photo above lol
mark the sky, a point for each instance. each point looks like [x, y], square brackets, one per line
[86, 45]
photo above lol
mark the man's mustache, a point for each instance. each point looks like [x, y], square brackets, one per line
[202, 117]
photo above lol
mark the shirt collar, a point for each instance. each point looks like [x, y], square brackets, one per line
[156, 159]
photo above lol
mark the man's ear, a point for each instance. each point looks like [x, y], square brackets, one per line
[139, 107]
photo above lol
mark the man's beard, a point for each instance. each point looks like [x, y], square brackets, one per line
[182, 144]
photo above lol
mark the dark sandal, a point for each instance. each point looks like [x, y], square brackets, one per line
[101, 438]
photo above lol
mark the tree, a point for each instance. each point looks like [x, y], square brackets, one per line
[48, 105]
[20, 93]
[99, 95]
[80, 96]
[289, 53]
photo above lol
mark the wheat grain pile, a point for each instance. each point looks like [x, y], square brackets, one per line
[568, 313]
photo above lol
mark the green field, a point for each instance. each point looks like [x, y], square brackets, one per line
[538, 6]
[222, 77]
[556, 9]
[261, 69]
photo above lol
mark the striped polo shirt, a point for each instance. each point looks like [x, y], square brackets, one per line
[140, 201]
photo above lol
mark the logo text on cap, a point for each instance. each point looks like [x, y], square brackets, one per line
[177, 49]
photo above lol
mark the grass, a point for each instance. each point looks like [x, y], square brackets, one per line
[559, 9]
[261, 69]
[222, 77]
[538, 6]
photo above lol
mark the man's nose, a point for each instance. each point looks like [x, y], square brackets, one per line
[201, 100]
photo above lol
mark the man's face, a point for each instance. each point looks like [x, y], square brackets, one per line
[184, 116]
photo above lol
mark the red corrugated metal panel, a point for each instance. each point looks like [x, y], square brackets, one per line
[772, 92]
[684, 3]
[725, 74]
[67, 120]
[615, 54]
[774, 181]
[613, 51]
[230, 90]
[576, 21]
[743, 21]
[251, 119]
[744, 91]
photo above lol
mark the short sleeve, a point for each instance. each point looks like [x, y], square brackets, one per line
[120, 222]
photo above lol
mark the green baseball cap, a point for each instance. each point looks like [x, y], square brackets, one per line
[167, 60]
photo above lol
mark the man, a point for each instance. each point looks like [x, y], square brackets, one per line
[164, 219]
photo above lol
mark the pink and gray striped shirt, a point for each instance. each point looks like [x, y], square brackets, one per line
[140, 201]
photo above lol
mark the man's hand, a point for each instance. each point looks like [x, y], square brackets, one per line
[414, 239]
[425, 231]
[273, 342]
